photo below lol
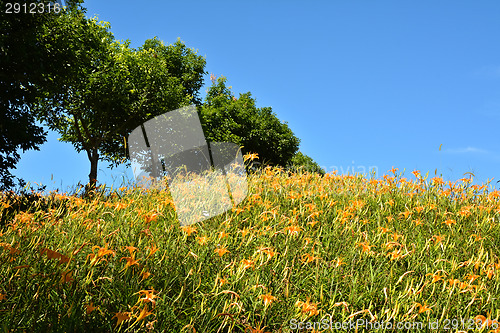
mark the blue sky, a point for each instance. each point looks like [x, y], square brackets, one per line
[363, 84]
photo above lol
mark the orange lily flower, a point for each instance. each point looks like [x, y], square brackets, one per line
[188, 229]
[221, 251]
[122, 316]
[267, 298]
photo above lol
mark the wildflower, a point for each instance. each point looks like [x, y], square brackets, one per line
[89, 308]
[145, 275]
[24, 217]
[55, 255]
[396, 254]
[418, 222]
[238, 210]
[66, 277]
[438, 238]
[223, 234]
[393, 170]
[152, 250]
[308, 307]
[102, 251]
[244, 232]
[423, 308]
[337, 262]
[449, 222]
[131, 249]
[435, 277]
[149, 296]
[2, 297]
[405, 214]
[221, 251]
[472, 277]
[384, 230]
[150, 325]
[293, 230]
[120, 206]
[247, 263]
[365, 246]
[270, 253]
[267, 298]
[250, 157]
[151, 217]
[221, 281]
[122, 316]
[419, 209]
[131, 261]
[437, 180]
[307, 258]
[189, 229]
[395, 236]
[202, 240]
[494, 194]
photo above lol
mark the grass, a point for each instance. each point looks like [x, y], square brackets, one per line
[301, 251]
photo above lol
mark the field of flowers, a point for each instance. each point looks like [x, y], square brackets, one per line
[301, 251]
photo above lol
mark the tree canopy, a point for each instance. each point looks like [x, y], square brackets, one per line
[226, 118]
[26, 67]
[115, 88]
[68, 72]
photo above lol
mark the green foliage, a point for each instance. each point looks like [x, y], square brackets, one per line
[226, 118]
[111, 88]
[26, 65]
[304, 163]
[315, 247]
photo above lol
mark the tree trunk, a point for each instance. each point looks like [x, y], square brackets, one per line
[94, 160]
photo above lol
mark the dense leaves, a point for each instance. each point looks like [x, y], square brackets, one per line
[226, 118]
[27, 65]
[115, 88]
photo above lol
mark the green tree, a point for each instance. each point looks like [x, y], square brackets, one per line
[115, 88]
[302, 162]
[226, 118]
[26, 68]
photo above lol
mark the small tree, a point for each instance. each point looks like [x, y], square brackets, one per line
[226, 118]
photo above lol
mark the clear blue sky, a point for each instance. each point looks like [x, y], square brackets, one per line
[361, 83]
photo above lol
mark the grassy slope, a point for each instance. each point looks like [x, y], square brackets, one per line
[301, 248]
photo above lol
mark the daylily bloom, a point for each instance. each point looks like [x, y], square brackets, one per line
[423, 308]
[250, 157]
[268, 299]
[188, 229]
[202, 240]
[131, 261]
[293, 230]
[247, 263]
[90, 307]
[149, 296]
[308, 307]
[122, 316]
[221, 251]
